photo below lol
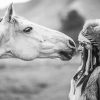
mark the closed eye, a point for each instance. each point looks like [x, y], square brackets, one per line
[82, 44]
[27, 29]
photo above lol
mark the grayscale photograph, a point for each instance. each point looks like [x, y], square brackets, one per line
[49, 49]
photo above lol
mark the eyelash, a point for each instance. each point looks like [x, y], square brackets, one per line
[27, 29]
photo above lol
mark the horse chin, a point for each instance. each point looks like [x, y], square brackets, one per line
[65, 56]
[5, 56]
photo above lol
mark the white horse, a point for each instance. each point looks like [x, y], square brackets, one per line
[85, 85]
[24, 40]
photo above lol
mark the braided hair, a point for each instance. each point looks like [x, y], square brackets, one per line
[90, 37]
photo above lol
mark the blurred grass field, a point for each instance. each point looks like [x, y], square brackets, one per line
[47, 79]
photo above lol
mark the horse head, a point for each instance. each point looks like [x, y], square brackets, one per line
[22, 39]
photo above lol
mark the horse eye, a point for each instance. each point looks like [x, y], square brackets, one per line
[27, 29]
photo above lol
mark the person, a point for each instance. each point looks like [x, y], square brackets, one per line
[85, 85]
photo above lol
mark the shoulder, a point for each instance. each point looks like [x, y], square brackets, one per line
[96, 71]
[95, 76]
[98, 79]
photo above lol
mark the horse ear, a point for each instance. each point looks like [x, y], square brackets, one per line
[9, 13]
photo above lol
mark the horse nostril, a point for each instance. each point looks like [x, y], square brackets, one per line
[71, 43]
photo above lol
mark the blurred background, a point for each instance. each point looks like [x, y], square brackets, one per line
[45, 79]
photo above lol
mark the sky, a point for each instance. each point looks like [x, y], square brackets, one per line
[5, 3]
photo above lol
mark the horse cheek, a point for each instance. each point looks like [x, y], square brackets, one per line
[27, 53]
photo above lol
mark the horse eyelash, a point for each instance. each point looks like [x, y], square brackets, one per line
[27, 29]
